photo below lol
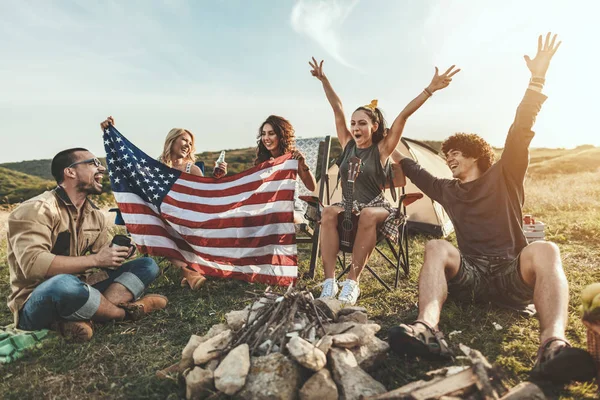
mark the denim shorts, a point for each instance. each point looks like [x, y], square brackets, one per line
[492, 279]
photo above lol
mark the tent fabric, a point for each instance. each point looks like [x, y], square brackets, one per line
[424, 215]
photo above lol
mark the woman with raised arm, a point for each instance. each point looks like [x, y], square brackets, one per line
[179, 152]
[369, 140]
[276, 138]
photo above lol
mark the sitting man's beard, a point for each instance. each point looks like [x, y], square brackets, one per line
[89, 188]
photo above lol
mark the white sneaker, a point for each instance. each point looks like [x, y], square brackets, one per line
[330, 288]
[350, 292]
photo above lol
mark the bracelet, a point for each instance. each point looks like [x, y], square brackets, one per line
[428, 92]
[537, 79]
[536, 84]
[537, 88]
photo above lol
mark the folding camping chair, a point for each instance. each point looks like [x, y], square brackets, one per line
[398, 249]
[316, 155]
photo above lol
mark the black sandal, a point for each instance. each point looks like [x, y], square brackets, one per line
[429, 344]
[566, 364]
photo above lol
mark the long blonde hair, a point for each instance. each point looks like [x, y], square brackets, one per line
[173, 134]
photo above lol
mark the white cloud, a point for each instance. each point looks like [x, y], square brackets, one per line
[320, 20]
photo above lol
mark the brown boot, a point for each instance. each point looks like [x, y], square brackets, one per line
[145, 305]
[193, 278]
[75, 331]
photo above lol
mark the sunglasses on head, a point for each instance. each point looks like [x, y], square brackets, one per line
[94, 161]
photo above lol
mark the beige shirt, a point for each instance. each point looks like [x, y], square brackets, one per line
[33, 239]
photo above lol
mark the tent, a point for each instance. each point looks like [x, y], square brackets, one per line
[424, 215]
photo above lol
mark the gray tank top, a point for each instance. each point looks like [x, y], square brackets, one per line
[372, 178]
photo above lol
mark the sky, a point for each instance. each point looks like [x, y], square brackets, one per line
[219, 68]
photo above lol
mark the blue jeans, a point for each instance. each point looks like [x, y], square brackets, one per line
[66, 297]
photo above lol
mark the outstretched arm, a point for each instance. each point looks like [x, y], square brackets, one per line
[341, 126]
[516, 148]
[389, 143]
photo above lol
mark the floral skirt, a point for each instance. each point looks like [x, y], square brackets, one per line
[389, 228]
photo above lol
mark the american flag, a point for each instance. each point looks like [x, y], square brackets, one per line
[239, 226]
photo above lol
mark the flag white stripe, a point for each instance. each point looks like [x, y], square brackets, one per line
[239, 212]
[256, 176]
[264, 269]
[266, 187]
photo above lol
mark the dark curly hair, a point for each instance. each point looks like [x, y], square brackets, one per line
[285, 132]
[472, 146]
[376, 117]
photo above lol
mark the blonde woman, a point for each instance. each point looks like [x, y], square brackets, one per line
[179, 153]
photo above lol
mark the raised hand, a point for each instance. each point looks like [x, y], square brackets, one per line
[317, 69]
[546, 49]
[110, 121]
[441, 81]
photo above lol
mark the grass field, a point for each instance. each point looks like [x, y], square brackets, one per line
[122, 358]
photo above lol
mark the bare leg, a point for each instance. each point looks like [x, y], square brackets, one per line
[366, 238]
[117, 294]
[108, 311]
[441, 263]
[330, 242]
[541, 269]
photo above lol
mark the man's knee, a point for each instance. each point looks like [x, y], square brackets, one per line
[145, 268]
[438, 248]
[66, 288]
[446, 255]
[540, 253]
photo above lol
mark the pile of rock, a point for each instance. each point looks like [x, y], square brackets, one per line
[286, 347]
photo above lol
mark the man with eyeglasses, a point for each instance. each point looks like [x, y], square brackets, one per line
[64, 271]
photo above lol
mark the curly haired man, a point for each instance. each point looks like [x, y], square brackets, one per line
[493, 261]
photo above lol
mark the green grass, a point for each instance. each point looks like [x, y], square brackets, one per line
[122, 358]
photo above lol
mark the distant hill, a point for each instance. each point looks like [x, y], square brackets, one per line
[39, 168]
[17, 186]
[25, 179]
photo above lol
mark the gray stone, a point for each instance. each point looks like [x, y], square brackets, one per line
[329, 306]
[346, 340]
[272, 377]
[208, 350]
[187, 355]
[198, 384]
[350, 309]
[325, 343]
[351, 380]
[371, 354]
[215, 330]
[320, 386]
[365, 332]
[230, 375]
[237, 318]
[357, 317]
[212, 364]
[306, 354]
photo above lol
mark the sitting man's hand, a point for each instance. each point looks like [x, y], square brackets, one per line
[112, 256]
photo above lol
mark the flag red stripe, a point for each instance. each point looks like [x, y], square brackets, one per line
[217, 223]
[210, 271]
[256, 198]
[246, 242]
[238, 222]
[232, 191]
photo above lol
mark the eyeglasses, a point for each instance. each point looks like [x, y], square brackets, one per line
[94, 161]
